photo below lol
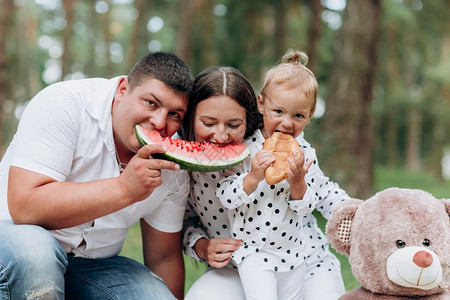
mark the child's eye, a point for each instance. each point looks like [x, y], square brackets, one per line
[278, 112]
[299, 116]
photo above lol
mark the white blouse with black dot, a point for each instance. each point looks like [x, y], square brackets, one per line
[285, 232]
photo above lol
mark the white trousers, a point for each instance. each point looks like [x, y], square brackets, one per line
[225, 284]
[261, 284]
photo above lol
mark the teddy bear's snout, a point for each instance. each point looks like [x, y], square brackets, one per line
[414, 267]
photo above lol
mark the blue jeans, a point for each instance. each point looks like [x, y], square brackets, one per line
[34, 266]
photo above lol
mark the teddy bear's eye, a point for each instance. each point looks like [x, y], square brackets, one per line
[400, 244]
[426, 242]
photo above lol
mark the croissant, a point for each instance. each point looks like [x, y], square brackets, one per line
[281, 145]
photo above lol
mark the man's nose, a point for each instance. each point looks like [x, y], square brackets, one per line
[159, 120]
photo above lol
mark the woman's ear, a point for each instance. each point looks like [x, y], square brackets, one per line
[260, 102]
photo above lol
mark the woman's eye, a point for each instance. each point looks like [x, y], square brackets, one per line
[175, 115]
[426, 242]
[400, 244]
[234, 126]
[208, 124]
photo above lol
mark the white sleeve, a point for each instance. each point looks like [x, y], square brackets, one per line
[47, 134]
[230, 189]
[326, 192]
[168, 216]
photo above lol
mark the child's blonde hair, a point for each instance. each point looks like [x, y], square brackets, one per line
[292, 73]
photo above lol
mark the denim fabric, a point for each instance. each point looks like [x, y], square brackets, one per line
[113, 278]
[32, 263]
[34, 266]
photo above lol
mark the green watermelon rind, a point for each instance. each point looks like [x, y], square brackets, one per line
[196, 166]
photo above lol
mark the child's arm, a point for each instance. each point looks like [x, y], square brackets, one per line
[239, 182]
[328, 193]
[260, 163]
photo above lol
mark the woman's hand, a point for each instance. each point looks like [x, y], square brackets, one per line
[217, 251]
[296, 175]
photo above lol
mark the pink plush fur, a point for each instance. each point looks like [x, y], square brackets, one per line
[394, 214]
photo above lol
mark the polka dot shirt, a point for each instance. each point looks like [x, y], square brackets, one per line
[264, 220]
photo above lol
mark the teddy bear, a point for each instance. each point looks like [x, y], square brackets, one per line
[397, 243]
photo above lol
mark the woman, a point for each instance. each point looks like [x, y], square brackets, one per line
[223, 110]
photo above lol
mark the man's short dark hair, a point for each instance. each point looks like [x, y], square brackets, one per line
[165, 67]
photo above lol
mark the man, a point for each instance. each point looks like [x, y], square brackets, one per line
[74, 179]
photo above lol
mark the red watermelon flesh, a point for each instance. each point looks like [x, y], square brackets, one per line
[194, 156]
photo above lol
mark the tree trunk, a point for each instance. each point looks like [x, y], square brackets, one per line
[314, 34]
[67, 35]
[183, 47]
[5, 18]
[414, 141]
[107, 37]
[348, 119]
[140, 35]
[391, 125]
[280, 27]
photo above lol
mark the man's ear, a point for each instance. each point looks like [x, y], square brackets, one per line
[260, 101]
[122, 87]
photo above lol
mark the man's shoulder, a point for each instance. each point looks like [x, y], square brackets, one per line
[89, 83]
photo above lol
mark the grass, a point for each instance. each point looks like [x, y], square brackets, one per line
[384, 178]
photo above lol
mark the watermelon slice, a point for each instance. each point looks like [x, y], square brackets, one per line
[194, 156]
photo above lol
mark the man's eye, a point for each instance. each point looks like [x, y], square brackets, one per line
[151, 103]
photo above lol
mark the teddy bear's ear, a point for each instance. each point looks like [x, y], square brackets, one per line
[447, 205]
[339, 225]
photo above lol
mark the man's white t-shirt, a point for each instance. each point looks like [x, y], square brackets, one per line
[66, 133]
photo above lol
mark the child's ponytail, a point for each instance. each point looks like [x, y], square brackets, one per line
[295, 57]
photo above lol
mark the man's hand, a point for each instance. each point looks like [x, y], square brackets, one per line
[143, 173]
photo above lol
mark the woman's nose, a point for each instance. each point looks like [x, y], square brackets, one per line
[220, 137]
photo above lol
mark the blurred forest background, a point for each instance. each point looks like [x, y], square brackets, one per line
[383, 66]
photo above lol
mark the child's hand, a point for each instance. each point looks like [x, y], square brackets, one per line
[260, 163]
[296, 175]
